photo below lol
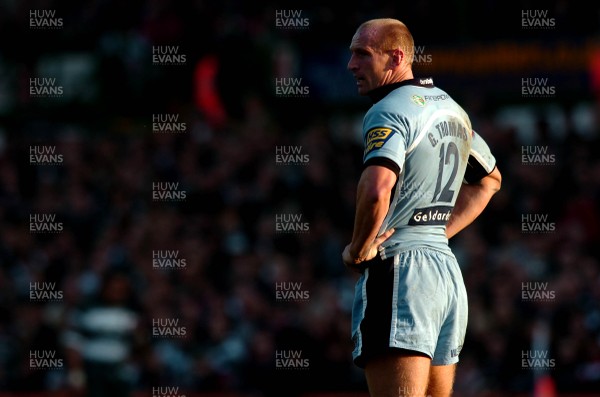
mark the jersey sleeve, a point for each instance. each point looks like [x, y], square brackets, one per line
[481, 161]
[384, 140]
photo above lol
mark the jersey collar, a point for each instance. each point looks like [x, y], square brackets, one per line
[380, 92]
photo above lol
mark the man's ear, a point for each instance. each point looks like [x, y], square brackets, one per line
[397, 56]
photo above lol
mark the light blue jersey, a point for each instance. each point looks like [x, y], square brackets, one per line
[419, 131]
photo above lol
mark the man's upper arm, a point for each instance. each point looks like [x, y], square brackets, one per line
[384, 141]
[378, 180]
[481, 162]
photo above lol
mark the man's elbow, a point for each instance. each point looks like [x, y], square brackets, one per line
[493, 182]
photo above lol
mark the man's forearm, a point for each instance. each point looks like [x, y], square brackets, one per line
[370, 213]
[471, 201]
[372, 205]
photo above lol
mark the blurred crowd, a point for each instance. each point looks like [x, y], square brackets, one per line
[116, 321]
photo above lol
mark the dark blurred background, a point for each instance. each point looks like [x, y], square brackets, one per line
[177, 183]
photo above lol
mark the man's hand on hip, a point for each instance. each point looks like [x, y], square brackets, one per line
[353, 260]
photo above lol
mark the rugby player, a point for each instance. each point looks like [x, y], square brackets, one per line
[426, 176]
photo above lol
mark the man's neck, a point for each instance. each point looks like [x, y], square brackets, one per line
[381, 92]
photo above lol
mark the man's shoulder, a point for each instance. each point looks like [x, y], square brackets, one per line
[412, 98]
[397, 102]
[403, 103]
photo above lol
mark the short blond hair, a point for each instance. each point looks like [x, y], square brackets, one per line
[390, 35]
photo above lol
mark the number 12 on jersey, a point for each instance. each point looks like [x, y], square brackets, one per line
[447, 154]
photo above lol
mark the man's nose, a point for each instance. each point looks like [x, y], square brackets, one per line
[351, 64]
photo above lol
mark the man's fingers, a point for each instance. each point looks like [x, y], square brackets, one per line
[383, 237]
